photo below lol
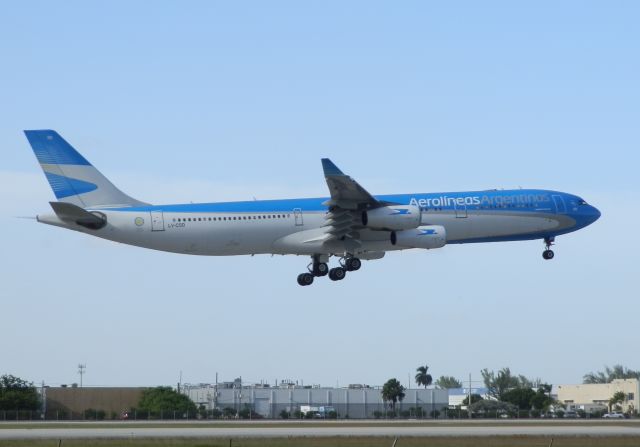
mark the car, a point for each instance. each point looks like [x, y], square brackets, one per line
[571, 415]
[613, 415]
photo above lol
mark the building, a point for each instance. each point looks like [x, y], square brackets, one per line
[458, 395]
[597, 395]
[357, 402]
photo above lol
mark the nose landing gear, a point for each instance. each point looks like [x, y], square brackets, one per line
[548, 253]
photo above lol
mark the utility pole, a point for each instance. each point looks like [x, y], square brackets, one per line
[469, 406]
[81, 370]
[215, 393]
[43, 396]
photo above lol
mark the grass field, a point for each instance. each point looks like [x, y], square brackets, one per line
[497, 441]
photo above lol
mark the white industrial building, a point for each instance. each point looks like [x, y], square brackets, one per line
[355, 401]
[458, 395]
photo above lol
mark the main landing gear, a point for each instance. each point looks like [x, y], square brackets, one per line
[548, 253]
[319, 267]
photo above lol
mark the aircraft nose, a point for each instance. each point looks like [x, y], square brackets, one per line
[594, 214]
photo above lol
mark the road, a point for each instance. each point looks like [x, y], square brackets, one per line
[120, 431]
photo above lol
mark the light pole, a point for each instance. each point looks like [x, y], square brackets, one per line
[81, 370]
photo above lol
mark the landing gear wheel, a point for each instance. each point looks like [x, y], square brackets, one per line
[320, 269]
[353, 264]
[548, 254]
[305, 279]
[337, 274]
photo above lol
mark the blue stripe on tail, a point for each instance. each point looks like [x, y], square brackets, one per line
[66, 186]
[51, 149]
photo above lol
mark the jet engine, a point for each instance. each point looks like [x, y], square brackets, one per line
[396, 217]
[429, 236]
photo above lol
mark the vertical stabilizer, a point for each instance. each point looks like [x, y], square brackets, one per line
[72, 178]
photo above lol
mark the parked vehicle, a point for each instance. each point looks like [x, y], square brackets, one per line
[614, 415]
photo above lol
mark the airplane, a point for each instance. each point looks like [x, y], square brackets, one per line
[351, 224]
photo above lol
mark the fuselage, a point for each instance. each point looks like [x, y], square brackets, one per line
[290, 226]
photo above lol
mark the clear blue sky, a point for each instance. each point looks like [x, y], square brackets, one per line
[208, 101]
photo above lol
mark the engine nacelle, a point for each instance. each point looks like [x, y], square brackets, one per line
[429, 236]
[395, 217]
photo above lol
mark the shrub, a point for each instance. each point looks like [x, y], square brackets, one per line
[228, 412]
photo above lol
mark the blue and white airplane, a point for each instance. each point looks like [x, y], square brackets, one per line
[351, 225]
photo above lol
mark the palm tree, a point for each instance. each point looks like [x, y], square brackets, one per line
[423, 378]
[392, 392]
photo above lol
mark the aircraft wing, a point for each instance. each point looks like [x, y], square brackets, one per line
[348, 200]
[346, 193]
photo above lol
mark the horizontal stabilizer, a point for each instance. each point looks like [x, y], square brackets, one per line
[70, 213]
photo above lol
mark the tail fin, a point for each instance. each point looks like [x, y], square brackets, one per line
[72, 178]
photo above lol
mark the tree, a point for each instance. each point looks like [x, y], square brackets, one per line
[500, 383]
[610, 374]
[448, 382]
[617, 398]
[392, 392]
[474, 398]
[423, 378]
[17, 394]
[520, 397]
[542, 399]
[164, 398]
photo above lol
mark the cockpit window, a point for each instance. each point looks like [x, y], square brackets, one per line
[581, 202]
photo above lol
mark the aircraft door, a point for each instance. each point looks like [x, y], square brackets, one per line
[157, 221]
[297, 214]
[561, 208]
[461, 210]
